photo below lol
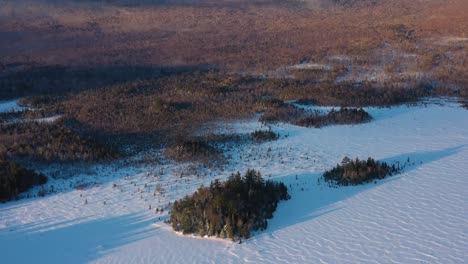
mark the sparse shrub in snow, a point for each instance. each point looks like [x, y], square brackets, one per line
[264, 135]
[193, 150]
[230, 209]
[465, 105]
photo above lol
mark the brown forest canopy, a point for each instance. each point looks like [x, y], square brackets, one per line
[235, 34]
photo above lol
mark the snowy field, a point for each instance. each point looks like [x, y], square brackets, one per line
[419, 216]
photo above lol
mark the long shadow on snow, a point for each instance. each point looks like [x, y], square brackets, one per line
[311, 199]
[71, 241]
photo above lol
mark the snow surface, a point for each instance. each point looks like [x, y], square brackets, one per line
[311, 66]
[419, 216]
[10, 106]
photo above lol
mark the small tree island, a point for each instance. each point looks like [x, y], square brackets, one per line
[354, 172]
[231, 209]
[343, 116]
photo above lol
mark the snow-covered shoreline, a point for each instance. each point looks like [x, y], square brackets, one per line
[418, 216]
[10, 106]
[13, 106]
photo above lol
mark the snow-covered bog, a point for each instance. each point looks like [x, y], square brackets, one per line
[418, 216]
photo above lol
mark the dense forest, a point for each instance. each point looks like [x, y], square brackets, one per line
[15, 179]
[229, 209]
[354, 172]
[50, 142]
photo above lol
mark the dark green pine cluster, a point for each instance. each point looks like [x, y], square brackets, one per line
[353, 172]
[342, 116]
[15, 179]
[230, 209]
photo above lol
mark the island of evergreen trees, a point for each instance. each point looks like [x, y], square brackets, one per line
[353, 172]
[343, 116]
[231, 209]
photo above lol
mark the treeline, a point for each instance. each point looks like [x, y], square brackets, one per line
[51, 142]
[353, 172]
[342, 116]
[264, 135]
[231, 209]
[284, 113]
[289, 113]
[352, 94]
[354, 3]
[15, 179]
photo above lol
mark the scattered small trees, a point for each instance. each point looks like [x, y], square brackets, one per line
[264, 135]
[230, 209]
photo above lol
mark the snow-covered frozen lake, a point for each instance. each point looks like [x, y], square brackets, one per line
[419, 216]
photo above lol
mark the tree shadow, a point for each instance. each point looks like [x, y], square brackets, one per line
[33, 80]
[73, 241]
[311, 198]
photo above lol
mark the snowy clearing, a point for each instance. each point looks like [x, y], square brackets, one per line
[10, 106]
[418, 216]
[311, 66]
[13, 106]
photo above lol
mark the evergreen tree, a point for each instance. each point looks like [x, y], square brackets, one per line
[229, 209]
